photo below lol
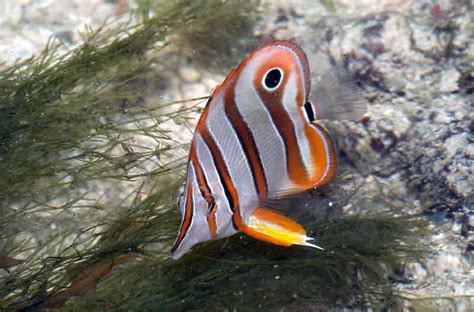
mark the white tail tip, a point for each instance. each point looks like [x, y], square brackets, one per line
[311, 245]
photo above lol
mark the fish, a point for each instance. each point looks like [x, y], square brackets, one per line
[258, 139]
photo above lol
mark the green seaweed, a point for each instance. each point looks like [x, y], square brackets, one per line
[69, 120]
[51, 103]
[242, 273]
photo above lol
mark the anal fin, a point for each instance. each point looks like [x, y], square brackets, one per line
[269, 226]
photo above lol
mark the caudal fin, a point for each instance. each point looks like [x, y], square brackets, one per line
[272, 227]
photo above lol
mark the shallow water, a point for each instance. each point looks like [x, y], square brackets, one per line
[413, 63]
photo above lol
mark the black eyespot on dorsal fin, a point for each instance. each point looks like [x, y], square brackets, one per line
[309, 112]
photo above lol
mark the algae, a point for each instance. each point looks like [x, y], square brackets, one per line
[62, 120]
[245, 274]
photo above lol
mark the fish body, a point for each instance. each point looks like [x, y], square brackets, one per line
[257, 140]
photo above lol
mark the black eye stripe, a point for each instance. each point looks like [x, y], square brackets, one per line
[308, 108]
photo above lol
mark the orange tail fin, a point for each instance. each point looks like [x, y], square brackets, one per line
[272, 227]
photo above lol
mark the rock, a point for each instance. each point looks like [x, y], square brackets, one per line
[26, 26]
[414, 154]
[413, 61]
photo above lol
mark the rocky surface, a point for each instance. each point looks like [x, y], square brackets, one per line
[27, 25]
[414, 154]
[413, 60]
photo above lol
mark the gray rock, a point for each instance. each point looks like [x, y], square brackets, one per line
[415, 152]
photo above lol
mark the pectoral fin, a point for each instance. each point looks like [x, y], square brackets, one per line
[272, 227]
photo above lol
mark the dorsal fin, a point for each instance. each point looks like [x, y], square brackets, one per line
[337, 96]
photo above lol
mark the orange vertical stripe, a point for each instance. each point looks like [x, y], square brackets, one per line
[318, 154]
[188, 214]
[246, 139]
[205, 190]
[211, 220]
[283, 122]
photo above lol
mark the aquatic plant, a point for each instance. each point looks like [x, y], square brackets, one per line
[68, 121]
[243, 273]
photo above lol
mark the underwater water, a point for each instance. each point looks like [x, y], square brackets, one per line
[98, 104]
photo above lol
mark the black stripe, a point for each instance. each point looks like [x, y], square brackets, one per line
[204, 172]
[181, 238]
[233, 115]
[205, 187]
[279, 113]
[308, 108]
[207, 139]
[278, 128]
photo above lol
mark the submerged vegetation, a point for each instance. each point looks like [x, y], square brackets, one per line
[71, 122]
[244, 273]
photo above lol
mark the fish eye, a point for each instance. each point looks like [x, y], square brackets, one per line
[272, 79]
